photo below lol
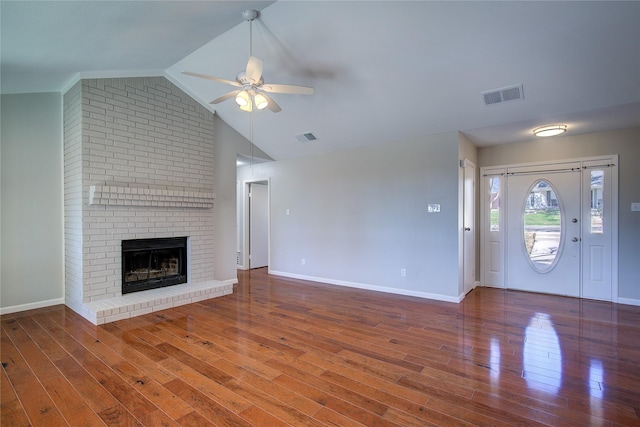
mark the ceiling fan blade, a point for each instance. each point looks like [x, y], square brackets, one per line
[254, 70]
[215, 79]
[290, 89]
[226, 96]
[272, 105]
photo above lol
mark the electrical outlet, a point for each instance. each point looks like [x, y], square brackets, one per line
[403, 272]
[433, 207]
[303, 261]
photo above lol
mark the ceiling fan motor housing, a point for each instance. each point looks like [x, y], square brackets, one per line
[241, 78]
[250, 14]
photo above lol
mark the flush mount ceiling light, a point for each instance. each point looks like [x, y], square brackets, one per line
[550, 130]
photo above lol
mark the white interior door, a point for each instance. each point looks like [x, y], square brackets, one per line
[258, 225]
[469, 232]
[543, 230]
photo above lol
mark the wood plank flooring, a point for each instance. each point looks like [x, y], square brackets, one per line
[284, 352]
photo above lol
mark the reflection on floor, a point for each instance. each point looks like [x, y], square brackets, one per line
[285, 352]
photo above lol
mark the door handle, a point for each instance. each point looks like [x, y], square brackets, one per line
[574, 220]
[575, 239]
[467, 229]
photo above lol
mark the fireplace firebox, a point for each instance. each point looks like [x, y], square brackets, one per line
[153, 263]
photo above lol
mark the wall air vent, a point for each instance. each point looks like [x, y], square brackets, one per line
[497, 96]
[306, 137]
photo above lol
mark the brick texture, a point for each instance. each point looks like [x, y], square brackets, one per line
[138, 133]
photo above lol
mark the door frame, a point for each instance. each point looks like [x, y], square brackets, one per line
[503, 171]
[469, 264]
[246, 221]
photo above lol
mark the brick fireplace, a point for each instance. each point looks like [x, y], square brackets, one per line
[138, 161]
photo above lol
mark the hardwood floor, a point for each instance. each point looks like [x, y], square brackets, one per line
[287, 352]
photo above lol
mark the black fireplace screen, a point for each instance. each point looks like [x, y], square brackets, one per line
[153, 263]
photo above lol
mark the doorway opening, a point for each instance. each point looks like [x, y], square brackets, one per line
[256, 224]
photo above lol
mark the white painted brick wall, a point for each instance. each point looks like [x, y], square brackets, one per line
[73, 196]
[138, 133]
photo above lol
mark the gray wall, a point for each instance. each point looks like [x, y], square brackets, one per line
[32, 269]
[626, 143]
[228, 144]
[358, 217]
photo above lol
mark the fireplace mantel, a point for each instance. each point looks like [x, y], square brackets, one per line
[111, 195]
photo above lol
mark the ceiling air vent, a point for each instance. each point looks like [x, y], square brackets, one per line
[497, 96]
[306, 137]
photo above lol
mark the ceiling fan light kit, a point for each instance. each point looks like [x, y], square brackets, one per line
[242, 98]
[550, 130]
[253, 91]
[260, 101]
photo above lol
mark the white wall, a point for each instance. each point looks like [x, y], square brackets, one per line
[358, 217]
[623, 142]
[32, 269]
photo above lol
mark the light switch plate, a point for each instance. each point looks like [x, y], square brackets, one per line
[635, 207]
[433, 207]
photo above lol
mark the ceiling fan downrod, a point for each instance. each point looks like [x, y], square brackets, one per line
[250, 15]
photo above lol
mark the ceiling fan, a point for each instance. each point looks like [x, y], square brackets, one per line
[252, 90]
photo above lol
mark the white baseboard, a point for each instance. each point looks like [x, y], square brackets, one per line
[463, 295]
[31, 306]
[629, 301]
[396, 291]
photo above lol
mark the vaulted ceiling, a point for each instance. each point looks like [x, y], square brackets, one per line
[382, 71]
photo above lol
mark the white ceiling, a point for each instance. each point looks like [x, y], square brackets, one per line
[382, 70]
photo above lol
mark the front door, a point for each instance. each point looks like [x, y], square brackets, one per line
[544, 229]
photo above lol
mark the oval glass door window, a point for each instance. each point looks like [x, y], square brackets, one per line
[542, 222]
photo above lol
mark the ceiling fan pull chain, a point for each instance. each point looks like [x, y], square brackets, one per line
[251, 138]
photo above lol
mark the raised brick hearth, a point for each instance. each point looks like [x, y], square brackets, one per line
[139, 164]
